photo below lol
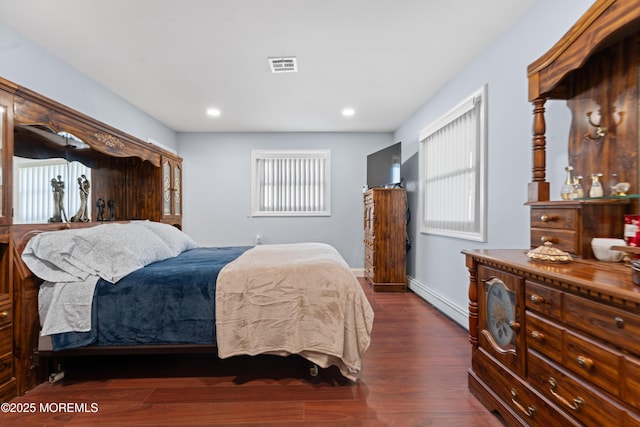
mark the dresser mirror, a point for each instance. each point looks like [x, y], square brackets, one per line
[52, 176]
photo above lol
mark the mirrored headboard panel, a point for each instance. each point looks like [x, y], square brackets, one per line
[46, 167]
[68, 167]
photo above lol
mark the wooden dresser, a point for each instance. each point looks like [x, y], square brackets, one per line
[385, 227]
[554, 345]
[557, 344]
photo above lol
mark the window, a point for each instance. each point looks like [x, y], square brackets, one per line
[452, 171]
[290, 183]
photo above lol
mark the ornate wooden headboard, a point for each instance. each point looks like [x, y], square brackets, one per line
[137, 176]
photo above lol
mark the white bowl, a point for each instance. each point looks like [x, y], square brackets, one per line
[602, 249]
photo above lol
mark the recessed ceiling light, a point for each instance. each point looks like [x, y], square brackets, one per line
[348, 112]
[213, 112]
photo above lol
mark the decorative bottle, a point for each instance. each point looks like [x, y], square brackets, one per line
[577, 187]
[567, 187]
[596, 186]
[613, 181]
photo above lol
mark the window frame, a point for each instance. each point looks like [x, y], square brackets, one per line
[478, 203]
[257, 155]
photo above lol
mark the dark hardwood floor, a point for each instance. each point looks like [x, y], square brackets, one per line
[414, 374]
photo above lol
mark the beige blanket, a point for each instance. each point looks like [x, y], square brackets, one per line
[293, 299]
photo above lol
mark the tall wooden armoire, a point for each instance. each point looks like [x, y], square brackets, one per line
[385, 232]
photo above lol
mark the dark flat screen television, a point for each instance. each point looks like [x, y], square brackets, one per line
[384, 167]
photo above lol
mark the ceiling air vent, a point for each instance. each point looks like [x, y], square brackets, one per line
[283, 65]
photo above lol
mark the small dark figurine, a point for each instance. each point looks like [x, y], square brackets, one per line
[100, 206]
[112, 209]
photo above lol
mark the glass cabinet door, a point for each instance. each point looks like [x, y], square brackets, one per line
[166, 188]
[177, 184]
[171, 190]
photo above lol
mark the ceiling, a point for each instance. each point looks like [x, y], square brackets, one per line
[174, 59]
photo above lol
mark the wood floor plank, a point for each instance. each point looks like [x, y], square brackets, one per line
[248, 394]
[197, 414]
[401, 415]
[414, 374]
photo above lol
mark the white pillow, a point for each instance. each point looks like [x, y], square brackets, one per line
[114, 250]
[47, 255]
[177, 240]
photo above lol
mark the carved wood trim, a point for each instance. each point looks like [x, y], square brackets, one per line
[599, 23]
[31, 107]
[8, 86]
[567, 277]
[570, 37]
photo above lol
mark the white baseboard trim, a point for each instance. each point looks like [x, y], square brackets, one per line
[458, 314]
[359, 272]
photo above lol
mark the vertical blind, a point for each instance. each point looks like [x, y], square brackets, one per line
[452, 170]
[290, 182]
[34, 193]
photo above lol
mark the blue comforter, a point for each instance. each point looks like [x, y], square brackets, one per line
[167, 302]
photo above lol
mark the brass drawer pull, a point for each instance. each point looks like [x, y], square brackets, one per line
[515, 326]
[537, 335]
[536, 299]
[575, 405]
[619, 321]
[4, 314]
[551, 239]
[547, 218]
[527, 411]
[585, 362]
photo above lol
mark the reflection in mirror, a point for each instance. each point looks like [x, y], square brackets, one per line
[47, 184]
[40, 184]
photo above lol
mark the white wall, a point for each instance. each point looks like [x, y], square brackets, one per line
[435, 264]
[28, 65]
[217, 172]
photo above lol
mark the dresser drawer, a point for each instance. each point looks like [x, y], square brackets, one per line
[594, 362]
[6, 366]
[543, 299]
[528, 405]
[633, 420]
[554, 218]
[8, 390]
[6, 313]
[544, 336]
[631, 383]
[589, 359]
[6, 339]
[612, 325]
[571, 394]
[566, 240]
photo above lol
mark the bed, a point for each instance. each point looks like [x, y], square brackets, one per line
[146, 284]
